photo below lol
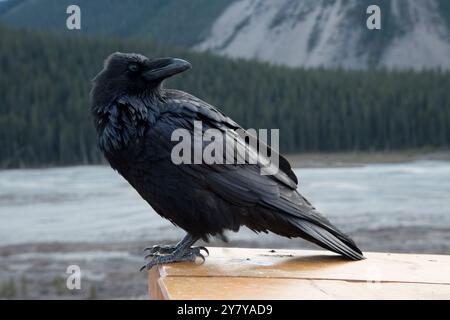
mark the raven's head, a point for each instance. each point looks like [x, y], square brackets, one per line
[131, 73]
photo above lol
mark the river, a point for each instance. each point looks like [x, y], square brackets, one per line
[94, 204]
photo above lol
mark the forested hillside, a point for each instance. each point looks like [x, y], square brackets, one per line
[45, 81]
[174, 22]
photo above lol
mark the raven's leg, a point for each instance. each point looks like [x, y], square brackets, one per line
[170, 254]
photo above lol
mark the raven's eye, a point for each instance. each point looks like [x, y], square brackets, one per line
[133, 67]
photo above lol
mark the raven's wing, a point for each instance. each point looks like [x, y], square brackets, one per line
[274, 197]
[190, 107]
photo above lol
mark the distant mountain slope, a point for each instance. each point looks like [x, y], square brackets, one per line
[414, 33]
[331, 33]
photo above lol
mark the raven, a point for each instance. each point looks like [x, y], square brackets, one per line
[135, 117]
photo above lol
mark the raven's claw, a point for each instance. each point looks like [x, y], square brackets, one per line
[204, 249]
[168, 249]
[190, 254]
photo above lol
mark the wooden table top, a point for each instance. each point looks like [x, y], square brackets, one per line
[238, 273]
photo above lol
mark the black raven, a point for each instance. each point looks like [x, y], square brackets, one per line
[135, 117]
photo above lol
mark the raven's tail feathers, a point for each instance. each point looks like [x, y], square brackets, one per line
[334, 241]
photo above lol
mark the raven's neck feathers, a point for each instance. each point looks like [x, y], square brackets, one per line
[122, 123]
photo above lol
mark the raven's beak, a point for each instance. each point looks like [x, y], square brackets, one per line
[160, 69]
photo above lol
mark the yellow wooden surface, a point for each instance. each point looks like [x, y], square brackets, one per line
[236, 273]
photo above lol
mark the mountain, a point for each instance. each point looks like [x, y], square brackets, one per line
[415, 33]
[308, 33]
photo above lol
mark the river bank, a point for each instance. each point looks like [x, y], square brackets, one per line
[359, 158]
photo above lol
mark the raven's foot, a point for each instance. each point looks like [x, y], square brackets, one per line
[168, 249]
[171, 256]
